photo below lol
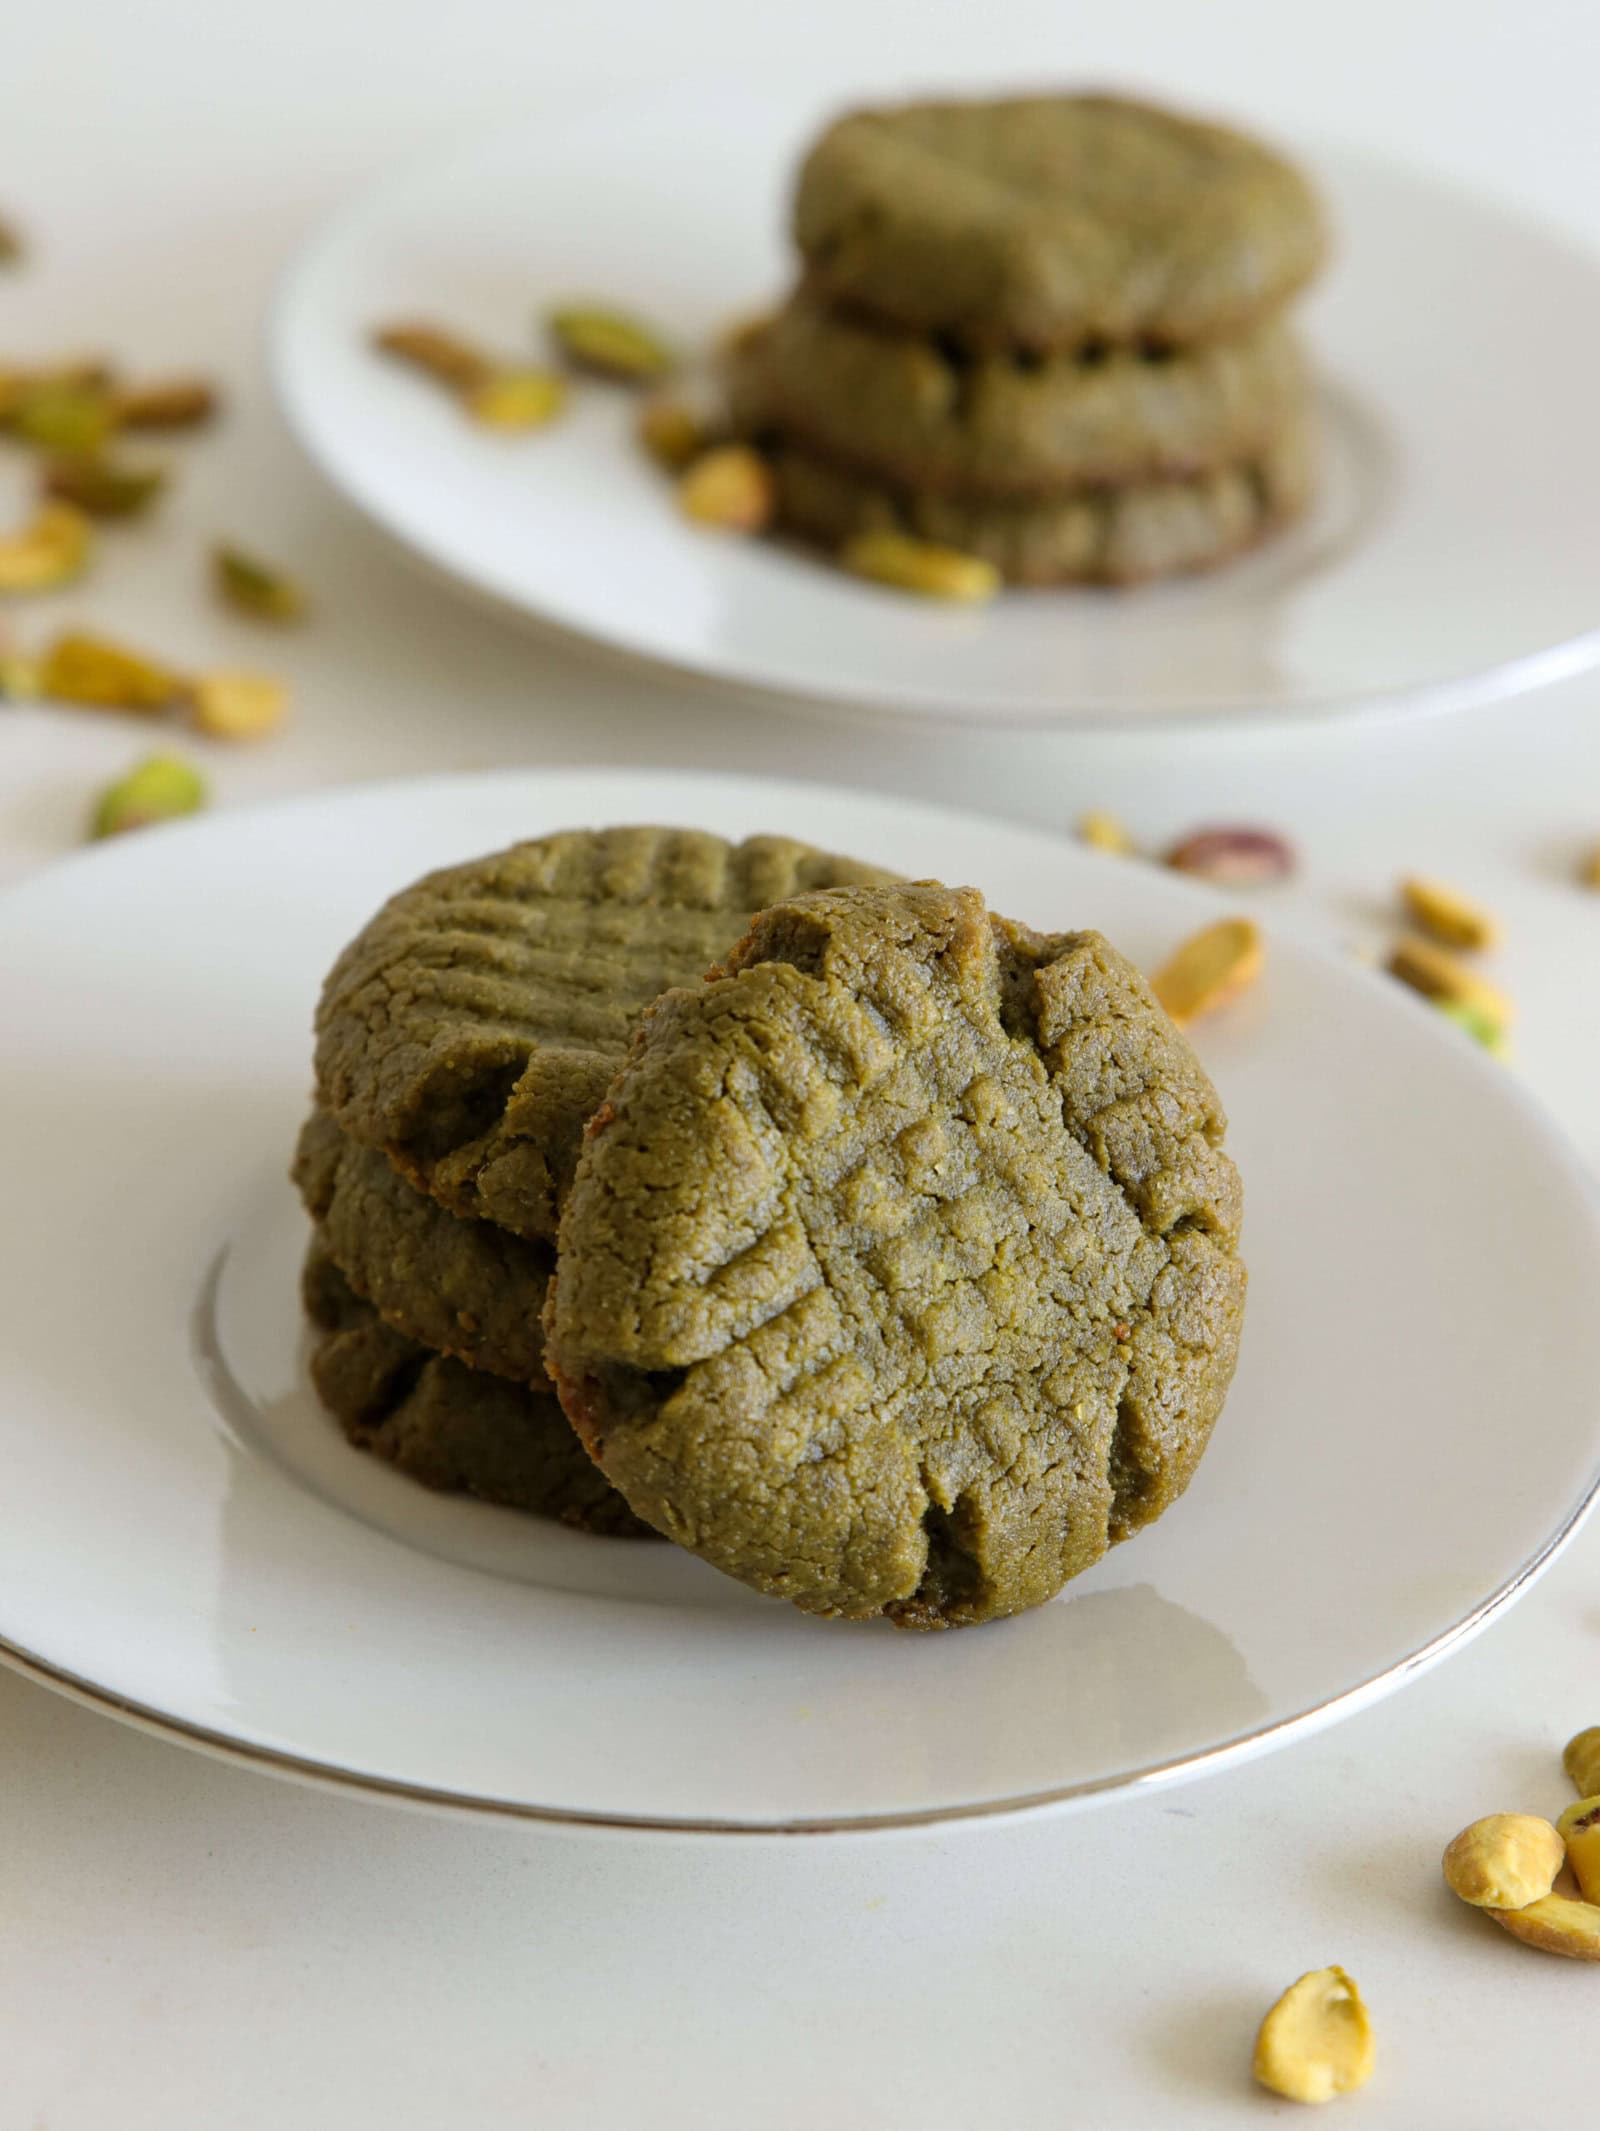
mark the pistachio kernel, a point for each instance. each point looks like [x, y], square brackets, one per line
[1439, 976]
[19, 677]
[1103, 832]
[1589, 870]
[254, 587]
[51, 550]
[168, 403]
[671, 433]
[1446, 916]
[1316, 2042]
[438, 353]
[11, 246]
[921, 566]
[1504, 1861]
[83, 373]
[729, 488]
[1579, 1828]
[516, 399]
[62, 414]
[236, 706]
[1208, 969]
[99, 675]
[104, 488]
[1555, 1924]
[1233, 858]
[742, 336]
[611, 344]
[161, 788]
[1580, 1757]
[1481, 1027]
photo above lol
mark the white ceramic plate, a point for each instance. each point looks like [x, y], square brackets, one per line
[185, 1538]
[1450, 560]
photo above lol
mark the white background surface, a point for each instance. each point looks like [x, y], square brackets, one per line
[185, 1945]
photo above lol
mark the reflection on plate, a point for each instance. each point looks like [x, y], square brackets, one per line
[188, 1540]
[1447, 561]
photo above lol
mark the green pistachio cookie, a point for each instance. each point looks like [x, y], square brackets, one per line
[899, 1272]
[446, 1425]
[1106, 536]
[470, 1029]
[1054, 221]
[921, 413]
[461, 1286]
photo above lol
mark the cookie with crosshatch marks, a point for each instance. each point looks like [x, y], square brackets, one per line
[912, 410]
[1098, 536]
[1050, 222]
[471, 1028]
[463, 1287]
[899, 1274]
[449, 1427]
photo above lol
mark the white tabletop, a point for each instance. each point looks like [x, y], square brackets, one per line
[183, 1944]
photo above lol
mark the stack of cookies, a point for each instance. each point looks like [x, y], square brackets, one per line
[464, 1038]
[881, 1251]
[1047, 331]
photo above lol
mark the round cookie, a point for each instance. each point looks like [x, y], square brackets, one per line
[1054, 221]
[1093, 536]
[471, 1028]
[462, 1287]
[919, 412]
[899, 1274]
[444, 1424]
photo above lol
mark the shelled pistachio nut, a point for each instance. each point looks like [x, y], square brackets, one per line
[921, 566]
[730, 488]
[100, 675]
[236, 706]
[1103, 832]
[51, 550]
[1555, 1924]
[255, 588]
[1579, 1827]
[1580, 1757]
[1447, 916]
[161, 788]
[1316, 2042]
[1504, 1861]
[610, 343]
[1210, 968]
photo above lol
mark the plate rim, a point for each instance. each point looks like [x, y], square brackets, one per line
[1234, 1750]
[869, 701]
